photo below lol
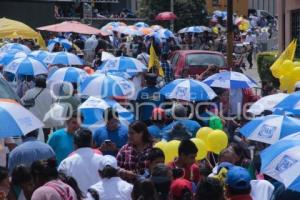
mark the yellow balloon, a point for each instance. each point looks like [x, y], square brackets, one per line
[296, 64]
[217, 140]
[294, 77]
[203, 132]
[284, 83]
[202, 152]
[287, 67]
[171, 150]
[161, 145]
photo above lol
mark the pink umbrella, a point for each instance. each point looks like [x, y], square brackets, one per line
[72, 26]
[166, 16]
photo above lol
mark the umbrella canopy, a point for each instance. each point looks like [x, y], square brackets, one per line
[66, 44]
[92, 110]
[164, 34]
[16, 46]
[68, 74]
[15, 29]
[26, 66]
[72, 26]
[232, 80]
[106, 56]
[166, 16]
[10, 55]
[122, 64]
[128, 31]
[103, 85]
[192, 29]
[290, 104]
[15, 120]
[266, 103]
[269, 129]
[156, 27]
[111, 25]
[280, 161]
[63, 58]
[141, 25]
[188, 90]
[146, 31]
[39, 54]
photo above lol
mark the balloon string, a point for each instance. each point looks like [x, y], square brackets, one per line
[210, 165]
[214, 159]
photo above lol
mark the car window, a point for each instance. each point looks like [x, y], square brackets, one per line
[204, 60]
[174, 60]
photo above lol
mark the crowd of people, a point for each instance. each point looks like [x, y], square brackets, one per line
[120, 161]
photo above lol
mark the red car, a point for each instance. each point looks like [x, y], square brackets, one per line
[191, 62]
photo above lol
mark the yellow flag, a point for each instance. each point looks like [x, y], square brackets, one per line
[287, 54]
[154, 61]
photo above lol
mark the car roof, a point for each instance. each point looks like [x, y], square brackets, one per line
[198, 51]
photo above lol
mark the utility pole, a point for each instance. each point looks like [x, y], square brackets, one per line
[172, 10]
[229, 33]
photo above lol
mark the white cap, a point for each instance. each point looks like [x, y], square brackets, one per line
[108, 160]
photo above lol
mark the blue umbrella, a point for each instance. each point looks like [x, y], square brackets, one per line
[93, 108]
[141, 25]
[122, 64]
[290, 104]
[188, 90]
[103, 85]
[26, 66]
[281, 162]
[40, 54]
[192, 29]
[229, 79]
[16, 46]
[269, 129]
[63, 58]
[164, 34]
[66, 44]
[68, 74]
[10, 55]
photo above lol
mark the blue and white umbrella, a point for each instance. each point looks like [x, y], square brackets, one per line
[92, 110]
[10, 55]
[122, 64]
[290, 104]
[281, 162]
[127, 31]
[68, 74]
[269, 129]
[40, 54]
[164, 34]
[188, 90]
[192, 29]
[15, 120]
[229, 79]
[103, 85]
[26, 66]
[16, 46]
[66, 44]
[141, 25]
[63, 58]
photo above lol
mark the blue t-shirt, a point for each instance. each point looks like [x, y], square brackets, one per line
[119, 136]
[155, 131]
[190, 125]
[62, 143]
[149, 95]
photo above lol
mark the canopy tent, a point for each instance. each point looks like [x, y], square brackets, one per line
[14, 29]
[72, 26]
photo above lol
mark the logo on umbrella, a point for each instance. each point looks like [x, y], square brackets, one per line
[285, 163]
[181, 92]
[267, 131]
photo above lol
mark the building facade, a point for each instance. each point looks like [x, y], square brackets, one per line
[288, 23]
[268, 5]
[240, 7]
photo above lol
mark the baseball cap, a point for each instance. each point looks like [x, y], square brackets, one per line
[238, 178]
[158, 114]
[108, 160]
[179, 185]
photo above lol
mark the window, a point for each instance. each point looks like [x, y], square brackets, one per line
[174, 60]
[296, 30]
[215, 2]
[199, 60]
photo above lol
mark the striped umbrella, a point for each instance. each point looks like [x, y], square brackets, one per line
[269, 129]
[26, 66]
[164, 33]
[40, 54]
[192, 29]
[156, 27]
[229, 79]
[188, 90]
[68, 74]
[103, 85]
[122, 64]
[66, 44]
[16, 46]
[10, 55]
[290, 104]
[63, 58]
[141, 25]
[15, 120]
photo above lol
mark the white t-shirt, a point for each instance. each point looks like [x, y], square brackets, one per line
[112, 189]
[261, 189]
[236, 101]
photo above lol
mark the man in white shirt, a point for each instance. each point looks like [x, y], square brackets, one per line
[111, 186]
[83, 163]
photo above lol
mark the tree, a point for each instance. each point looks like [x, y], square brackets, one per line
[189, 12]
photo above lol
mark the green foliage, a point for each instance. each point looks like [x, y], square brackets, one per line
[189, 12]
[264, 62]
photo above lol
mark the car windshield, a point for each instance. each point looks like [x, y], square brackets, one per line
[202, 59]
